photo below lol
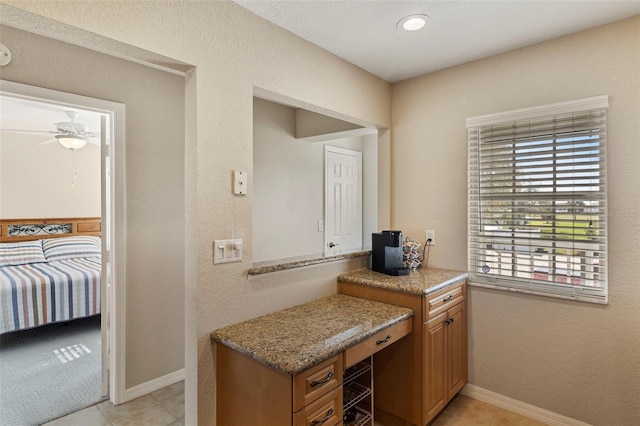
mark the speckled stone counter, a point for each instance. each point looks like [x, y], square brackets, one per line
[299, 262]
[421, 282]
[294, 339]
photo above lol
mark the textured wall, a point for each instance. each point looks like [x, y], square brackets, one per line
[576, 359]
[155, 185]
[234, 51]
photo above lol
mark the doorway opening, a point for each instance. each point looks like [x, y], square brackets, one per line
[61, 167]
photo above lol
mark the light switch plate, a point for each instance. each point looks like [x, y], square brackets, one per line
[225, 251]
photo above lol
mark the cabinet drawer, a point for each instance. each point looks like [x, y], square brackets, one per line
[326, 411]
[443, 299]
[316, 381]
[377, 342]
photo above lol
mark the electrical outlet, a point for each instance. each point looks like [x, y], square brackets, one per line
[431, 235]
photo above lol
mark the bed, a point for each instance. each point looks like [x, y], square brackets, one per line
[49, 271]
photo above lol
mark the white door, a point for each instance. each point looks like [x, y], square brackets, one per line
[343, 200]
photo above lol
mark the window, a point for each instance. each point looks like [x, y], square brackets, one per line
[537, 200]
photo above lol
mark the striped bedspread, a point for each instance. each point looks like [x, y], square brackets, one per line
[41, 293]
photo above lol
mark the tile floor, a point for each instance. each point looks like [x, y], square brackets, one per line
[465, 411]
[162, 408]
[165, 407]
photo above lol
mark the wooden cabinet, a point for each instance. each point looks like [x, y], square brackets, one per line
[252, 393]
[435, 342]
[445, 355]
[415, 378]
[316, 381]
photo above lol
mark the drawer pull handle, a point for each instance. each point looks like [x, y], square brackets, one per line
[328, 377]
[449, 297]
[385, 340]
[327, 417]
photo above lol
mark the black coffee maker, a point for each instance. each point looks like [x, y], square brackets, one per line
[386, 253]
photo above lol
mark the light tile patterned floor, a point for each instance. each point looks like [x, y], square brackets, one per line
[165, 407]
[160, 408]
[465, 411]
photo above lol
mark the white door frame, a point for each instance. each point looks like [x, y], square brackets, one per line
[116, 293]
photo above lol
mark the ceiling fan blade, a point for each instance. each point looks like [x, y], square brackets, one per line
[47, 141]
[27, 132]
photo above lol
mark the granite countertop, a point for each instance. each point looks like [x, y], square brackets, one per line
[294, 339]
[421, 281]
[308, 260]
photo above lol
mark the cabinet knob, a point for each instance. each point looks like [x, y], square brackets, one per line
[385, 340]
[449, 297]
[327, 417]
[328, 377]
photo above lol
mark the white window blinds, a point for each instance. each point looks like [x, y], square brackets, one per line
[537, 200]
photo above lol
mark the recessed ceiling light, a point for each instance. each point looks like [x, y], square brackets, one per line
[413, 22]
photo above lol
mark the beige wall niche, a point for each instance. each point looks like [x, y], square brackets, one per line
[576, 359]
[288, 184]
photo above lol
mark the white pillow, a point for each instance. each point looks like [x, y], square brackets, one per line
[71, 247]
[22, 253]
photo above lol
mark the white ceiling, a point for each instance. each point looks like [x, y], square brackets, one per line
[364, 32]
[35, 121]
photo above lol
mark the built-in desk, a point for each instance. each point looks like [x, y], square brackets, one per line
[300, 365]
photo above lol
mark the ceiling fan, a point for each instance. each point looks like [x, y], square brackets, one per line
[69, 134]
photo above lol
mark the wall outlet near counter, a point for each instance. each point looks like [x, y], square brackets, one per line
[430, 235]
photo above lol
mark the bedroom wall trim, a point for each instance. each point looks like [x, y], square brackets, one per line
[531, 411]
[153, 385]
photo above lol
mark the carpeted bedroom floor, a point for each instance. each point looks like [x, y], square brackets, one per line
[49, 371]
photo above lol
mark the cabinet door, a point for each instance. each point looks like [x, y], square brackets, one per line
[456, 353]
[435, 340]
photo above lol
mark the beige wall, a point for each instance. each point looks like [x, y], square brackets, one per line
[234, 51]
[155, 185]
[575, 359]
[37, 181]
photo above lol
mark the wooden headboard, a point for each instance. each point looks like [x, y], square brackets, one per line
[14, 230]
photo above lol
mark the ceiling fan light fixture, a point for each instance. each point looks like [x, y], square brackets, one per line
[413, 22]
[71, 141]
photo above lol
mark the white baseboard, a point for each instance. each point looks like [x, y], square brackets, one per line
[519, 407]
[153, 385]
